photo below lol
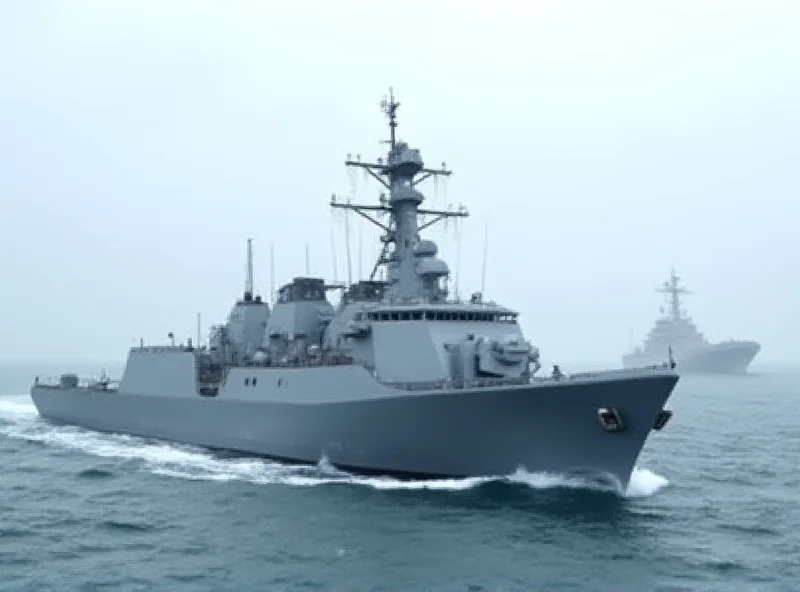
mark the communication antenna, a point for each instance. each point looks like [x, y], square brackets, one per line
[308, 262]
[485, 247]
[333, 256]
[457, 232]
[198, 330]
[248, 282]
[272, 273]
[347, 240]
[360, 252]
[390, 109]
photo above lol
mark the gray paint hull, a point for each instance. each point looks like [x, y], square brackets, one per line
[552, 427]
[733, 357]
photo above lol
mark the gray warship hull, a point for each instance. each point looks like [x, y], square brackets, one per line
[399, 379]
[361, 425]
[732, 357]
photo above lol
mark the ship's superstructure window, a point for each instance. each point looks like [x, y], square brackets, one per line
[302, 289]
[440, 315]
[365, 291]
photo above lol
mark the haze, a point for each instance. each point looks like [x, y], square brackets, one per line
[142, 143]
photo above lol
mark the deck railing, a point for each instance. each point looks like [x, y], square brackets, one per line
[447, 384]
[84, 383]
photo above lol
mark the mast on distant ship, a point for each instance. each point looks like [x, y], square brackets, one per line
[402, 165]
[674, 291]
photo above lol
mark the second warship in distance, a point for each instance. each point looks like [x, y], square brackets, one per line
[676, 332]
[401, 378]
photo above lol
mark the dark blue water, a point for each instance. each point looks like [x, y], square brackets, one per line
[714, 505]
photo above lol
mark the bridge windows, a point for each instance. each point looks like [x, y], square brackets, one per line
[302, 289]
[451, 316]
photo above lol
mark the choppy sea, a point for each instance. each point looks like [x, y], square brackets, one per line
[714, 505]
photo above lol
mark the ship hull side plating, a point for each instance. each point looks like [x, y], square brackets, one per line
[733, 357]
[456, 433]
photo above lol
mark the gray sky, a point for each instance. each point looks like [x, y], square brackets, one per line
[142, 142]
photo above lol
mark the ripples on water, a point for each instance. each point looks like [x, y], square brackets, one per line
[86, 511]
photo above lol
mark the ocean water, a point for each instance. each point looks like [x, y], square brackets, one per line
[714, 505]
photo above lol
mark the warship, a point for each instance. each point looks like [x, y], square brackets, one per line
[675, 332]
[400, 378]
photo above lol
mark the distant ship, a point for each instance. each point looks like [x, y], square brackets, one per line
[402, 378]
[675, 333]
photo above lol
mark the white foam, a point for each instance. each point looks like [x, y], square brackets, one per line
[19, 420]
[644, 483]
[16, 406]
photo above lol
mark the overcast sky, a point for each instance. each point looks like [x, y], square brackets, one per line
[142, 143]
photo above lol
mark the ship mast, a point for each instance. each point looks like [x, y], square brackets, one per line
[397, 174]
[674, 291]
[248, 281]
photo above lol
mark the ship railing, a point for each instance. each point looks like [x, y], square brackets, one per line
[164, 349]
[488, 305]
[303, 362]
[107, 384]
[610, 371]
[448, 384]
